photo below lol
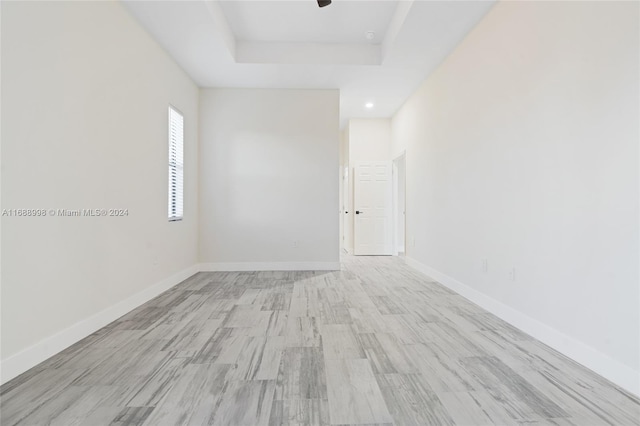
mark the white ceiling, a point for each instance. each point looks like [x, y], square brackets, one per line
[295, 44]
[303, 22]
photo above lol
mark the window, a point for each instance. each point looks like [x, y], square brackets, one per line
[176, 164]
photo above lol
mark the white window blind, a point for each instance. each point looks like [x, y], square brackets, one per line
[176, 164]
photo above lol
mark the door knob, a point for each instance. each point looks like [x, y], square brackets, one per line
[358, 212]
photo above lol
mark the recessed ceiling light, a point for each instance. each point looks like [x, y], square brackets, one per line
[370, 35]
[368, 105]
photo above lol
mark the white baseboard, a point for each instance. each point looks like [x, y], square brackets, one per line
[615, 371]
[33, 355]
[270, 266]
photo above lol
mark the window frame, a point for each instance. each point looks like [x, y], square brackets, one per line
[175, 169]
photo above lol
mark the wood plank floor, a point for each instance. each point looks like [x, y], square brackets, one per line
[376, 343]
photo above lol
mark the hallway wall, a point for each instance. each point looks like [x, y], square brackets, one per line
[522, 150]
[369, 139]
[269, 168]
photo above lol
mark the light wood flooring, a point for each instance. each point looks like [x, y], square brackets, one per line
[375, 343]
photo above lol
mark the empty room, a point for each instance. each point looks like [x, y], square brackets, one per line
[316, 212]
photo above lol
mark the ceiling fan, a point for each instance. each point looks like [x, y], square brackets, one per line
[323, 3]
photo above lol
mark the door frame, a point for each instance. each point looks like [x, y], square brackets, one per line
[347, 230]
[396, 200]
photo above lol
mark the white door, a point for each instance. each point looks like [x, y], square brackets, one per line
[372, 205]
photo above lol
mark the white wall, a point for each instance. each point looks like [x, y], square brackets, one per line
[269, 162]
[369, 139]
[85, 93]
[522, 148]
